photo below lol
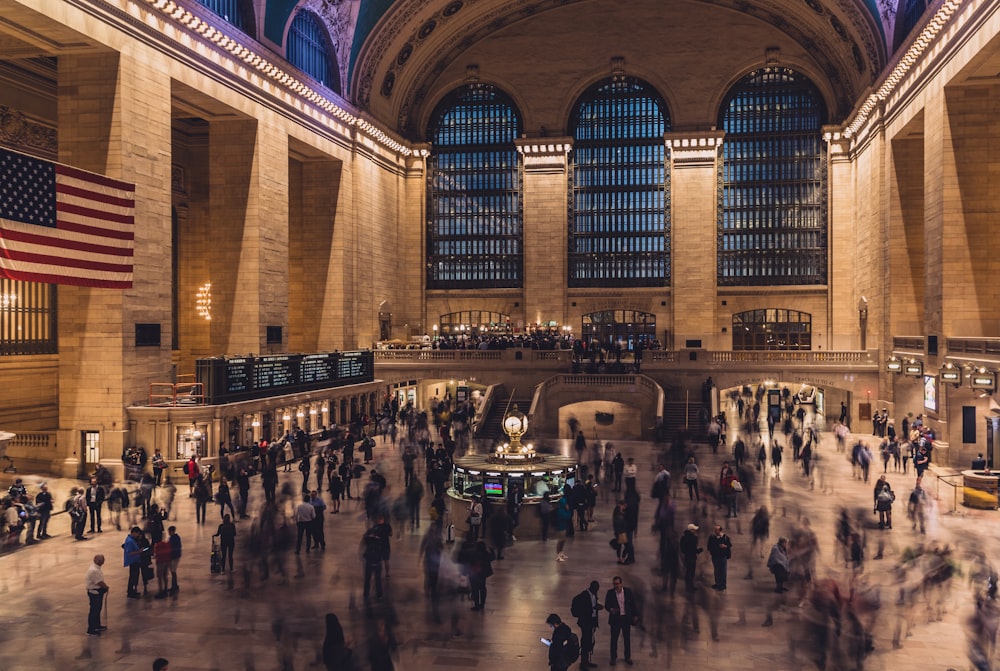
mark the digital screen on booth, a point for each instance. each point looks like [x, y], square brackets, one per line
[493, 487]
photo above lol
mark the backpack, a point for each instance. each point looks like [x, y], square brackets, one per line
[187, 468]
[571, 649]
[577, 607]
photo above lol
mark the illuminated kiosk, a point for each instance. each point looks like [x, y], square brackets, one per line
[511, 465]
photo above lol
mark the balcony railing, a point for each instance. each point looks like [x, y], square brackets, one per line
[656, 359]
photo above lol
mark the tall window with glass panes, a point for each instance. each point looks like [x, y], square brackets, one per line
[773, 195]
[474, 210]
[619, 232]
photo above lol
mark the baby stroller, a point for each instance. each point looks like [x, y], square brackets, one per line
[215, 562]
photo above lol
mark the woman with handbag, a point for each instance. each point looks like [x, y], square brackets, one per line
[475, 518]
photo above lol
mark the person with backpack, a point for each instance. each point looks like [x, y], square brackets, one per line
[564, 646]
[884, 497]
[584, 608]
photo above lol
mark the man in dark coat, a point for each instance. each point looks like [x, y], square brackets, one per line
[622, 614]
[584, 608]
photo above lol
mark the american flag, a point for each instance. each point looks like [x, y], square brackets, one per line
[62, 225]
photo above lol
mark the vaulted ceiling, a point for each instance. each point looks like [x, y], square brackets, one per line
[406, 55]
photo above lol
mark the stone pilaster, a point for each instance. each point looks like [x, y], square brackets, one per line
[693, 236]
[545, 228]
[248, 259]
[842, 295]
[114, 119]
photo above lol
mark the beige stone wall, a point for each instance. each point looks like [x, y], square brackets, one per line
[301, 222]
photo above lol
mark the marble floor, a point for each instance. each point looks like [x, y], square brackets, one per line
[224, 622]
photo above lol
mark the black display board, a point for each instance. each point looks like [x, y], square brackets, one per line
[231, 379]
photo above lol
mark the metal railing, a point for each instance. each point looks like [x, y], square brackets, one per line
[179, 393]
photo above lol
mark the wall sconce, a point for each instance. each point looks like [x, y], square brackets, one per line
[893, 365]
[312, 411]
[952, 374]
[286, 417]
[300, 414]
[8, 301]
[195, 431]
[983, 379]
[203, 301]
[913, 368]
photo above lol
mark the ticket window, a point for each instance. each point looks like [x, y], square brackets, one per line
[190, 441]
[92, 446]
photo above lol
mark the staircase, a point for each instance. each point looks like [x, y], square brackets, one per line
[674, 418]
[492, 428]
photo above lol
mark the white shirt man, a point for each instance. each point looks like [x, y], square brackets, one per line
[96, 589]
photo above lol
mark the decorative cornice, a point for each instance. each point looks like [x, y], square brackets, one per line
[556, 146]
[696, 141]
[200, 29]
[904, 66]
[698, 149]
[20, 133]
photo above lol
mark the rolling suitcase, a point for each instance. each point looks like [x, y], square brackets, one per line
[215, 562]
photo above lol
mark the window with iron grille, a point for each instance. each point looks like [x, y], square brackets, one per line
[308, 50]
[474, 218]
[619, 228]
[233, 11]
[628, 327]
[773, 198]
[772, 329]
[27, 318]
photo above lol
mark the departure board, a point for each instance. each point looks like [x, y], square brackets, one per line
[354, 365]
[232, 379]
[238, 378]
[318, 368]
[275, 371]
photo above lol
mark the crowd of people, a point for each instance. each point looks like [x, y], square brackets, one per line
[693, 511]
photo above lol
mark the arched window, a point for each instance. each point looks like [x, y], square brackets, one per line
[772, 328]
[238, 13]
[474, 217]
[619, 230]
[626, 326]
[772, 214]
[308, 49]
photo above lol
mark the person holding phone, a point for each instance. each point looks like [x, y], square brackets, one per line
[560, 634]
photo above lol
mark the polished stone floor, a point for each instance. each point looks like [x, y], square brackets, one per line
[220, 622]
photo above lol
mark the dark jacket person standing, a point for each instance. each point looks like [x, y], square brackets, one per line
[721, 549]
[584, 608]
[622, 614]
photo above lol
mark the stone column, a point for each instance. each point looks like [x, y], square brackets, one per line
[314, 288]
[545, 228]
[693, 237]
[114, 119]
[843, 294]
[248, 259]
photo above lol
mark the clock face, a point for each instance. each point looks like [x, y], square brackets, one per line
[512, 424]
